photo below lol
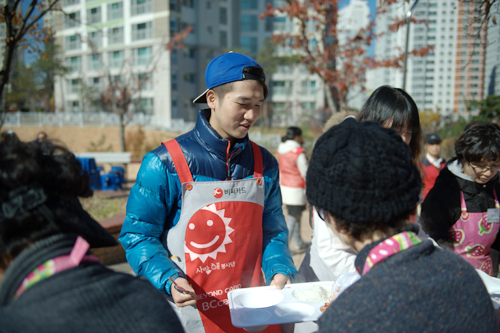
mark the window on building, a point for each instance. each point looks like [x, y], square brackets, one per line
[74, 106]
[115, 11]
[189, 52]
[279, 107]
[74, 64]
[95, 39]
[94, 62]
[249, 44]
[310, 106]
[94, 15]
[142, 31]
[95, 83]
[143, 56]
[223, 15]
[115, 59]
[74, 86]
[188, 3]
[174, 6]
[308, 88]
[279, 23]
[141, 7]
[175, 108]
[144, 81]
[248, 23]
[223, 39]
[280, 87]
[190, 77]
[269, 24]
[249, 4]
[72, 20]
[116, 36]
[145, 105]
[173, 81]
[174, 56]
[72, 43]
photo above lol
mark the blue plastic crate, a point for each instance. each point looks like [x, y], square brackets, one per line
[89, 166]
[110, 182]
[120, 171]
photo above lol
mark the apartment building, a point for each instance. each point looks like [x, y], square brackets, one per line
[492, 61]
[118, 40]
[449, 76]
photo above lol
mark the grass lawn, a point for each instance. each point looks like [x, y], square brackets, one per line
[102, 206]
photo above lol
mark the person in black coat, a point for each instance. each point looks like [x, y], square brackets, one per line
[466, 226]
[49, 281]
[363, 184]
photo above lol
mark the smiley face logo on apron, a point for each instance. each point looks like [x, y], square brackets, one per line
[207, 233]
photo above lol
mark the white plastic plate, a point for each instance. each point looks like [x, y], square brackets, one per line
[260, 306]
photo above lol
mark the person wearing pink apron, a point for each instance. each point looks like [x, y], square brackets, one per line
[205, 215]
[462, 210]
[363, 184]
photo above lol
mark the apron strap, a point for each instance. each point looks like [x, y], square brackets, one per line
[179, 160]
[258, 165]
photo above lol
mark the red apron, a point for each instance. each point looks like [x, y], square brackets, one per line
[472, 237]
[219, 235]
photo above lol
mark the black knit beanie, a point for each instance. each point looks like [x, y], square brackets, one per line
[362, 172]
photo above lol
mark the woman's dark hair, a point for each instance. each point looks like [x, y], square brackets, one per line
[50, 179]
[388, 103]
[291, 133]
[479, 143]
[358, 230]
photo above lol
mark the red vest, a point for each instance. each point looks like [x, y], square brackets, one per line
[289, 173]
[431, 173]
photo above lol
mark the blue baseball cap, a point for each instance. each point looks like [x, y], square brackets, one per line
[230, 67]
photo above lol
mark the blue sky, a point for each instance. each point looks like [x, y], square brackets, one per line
[373, 6]
[29, 57]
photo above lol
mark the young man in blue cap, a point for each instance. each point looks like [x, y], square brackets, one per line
[206, 208]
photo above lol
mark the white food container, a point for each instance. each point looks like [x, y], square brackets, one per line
[262, 306]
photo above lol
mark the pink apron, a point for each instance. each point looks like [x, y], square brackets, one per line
[472, 237]
[219, 236]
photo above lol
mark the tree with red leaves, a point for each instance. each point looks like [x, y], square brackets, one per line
[342, 66]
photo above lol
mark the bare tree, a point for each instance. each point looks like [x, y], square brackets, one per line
[122, 93]
[18, 26]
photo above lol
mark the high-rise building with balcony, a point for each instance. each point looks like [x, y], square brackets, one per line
[448, 76]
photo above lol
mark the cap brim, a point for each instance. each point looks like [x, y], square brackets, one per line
[202, 98]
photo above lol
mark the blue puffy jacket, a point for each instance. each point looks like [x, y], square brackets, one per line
[155, 201]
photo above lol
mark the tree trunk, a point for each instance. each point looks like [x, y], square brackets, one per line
[330, 100]
[122, 132]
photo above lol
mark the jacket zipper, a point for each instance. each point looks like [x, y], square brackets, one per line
[228, 160]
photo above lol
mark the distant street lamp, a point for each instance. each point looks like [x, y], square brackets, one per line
[408, 21]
